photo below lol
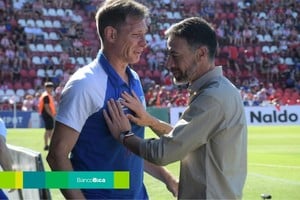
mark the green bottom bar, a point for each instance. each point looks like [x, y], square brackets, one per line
[34, 180]
[121, 180]
[7, 179]
[57, 179]
[65, 180]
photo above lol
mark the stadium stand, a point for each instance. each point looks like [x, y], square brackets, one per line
[259, 50]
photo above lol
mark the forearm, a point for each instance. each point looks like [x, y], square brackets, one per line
[133, 143]
[72, 194]
[159, 127]
[159, 172]
[162, 174]
[150, 149]
[64, 164]
[5, 158]
[59, 163]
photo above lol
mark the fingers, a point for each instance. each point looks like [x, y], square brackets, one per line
[175, 191]
[135, 96]
[113, 112]
[132, 118]
[128, 97]
[107, 118]
[128, 101]
[131, 102]
[119, 107]
[113, 109]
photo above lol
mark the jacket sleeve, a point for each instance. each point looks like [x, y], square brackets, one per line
[199, 122]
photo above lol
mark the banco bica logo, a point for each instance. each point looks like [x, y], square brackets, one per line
[91, 180]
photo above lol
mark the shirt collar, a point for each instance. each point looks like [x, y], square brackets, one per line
[111, 72]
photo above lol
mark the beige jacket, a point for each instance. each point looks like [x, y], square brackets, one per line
[210, 140]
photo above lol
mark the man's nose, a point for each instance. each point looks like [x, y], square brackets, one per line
[143, 42]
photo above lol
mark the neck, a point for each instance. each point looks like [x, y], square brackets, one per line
[118, 65]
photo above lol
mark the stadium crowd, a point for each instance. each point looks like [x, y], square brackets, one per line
[45, 40]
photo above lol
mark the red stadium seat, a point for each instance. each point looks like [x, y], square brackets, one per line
[24, 73]
[18, 85]
[27, 85]
[141, 73]
[148, 73]
[32, 73]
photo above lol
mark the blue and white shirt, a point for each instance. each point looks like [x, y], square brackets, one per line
[81, 107]
[3, 130]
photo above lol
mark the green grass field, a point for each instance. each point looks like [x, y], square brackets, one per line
[273, 162]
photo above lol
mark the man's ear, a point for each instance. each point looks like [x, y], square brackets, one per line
[201, 53]
[110, 33]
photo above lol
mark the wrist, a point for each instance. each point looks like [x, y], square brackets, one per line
[152, 121]
[124, 135]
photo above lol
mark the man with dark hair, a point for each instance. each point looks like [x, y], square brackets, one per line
[80, 128]
[210, 138]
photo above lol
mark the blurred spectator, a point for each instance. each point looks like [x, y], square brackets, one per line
[22, 57]
[270, 90]
[28, 103]
[5, 69]
[147, 83]
[33, 33]
[297, 86]
[36, 98]
[152, 61]
[66, 44]
[6, 42]
[38, 6]
[16, 72]
[6, 105]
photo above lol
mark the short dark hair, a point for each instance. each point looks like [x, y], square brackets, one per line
[197, 32]
[114, 12]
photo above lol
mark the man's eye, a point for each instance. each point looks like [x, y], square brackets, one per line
[138, 35]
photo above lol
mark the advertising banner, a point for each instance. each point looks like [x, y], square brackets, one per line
[260, 116]
[256, 116]
[21, 119]
[272, 115]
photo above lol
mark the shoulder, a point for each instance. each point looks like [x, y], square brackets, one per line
[86, 84]
[87, 77]
[220, 93]
[92, 70]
